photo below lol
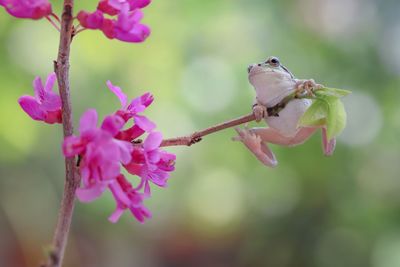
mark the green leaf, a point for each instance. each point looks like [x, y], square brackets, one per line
[315, 115]
[326, 91]
[326, 110]
[336, 117]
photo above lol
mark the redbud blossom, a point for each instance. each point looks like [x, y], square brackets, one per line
[151, 163]
[113, 7]
[102, 154]
[31, 9]
[127, 197]
[45, 105]
[126, 27]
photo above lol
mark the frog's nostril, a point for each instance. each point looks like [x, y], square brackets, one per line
[259, 64]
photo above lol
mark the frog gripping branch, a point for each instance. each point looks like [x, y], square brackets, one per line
[294, 110]
[312, 107]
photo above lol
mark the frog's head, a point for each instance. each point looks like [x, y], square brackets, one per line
[271, 65]
[270, 78]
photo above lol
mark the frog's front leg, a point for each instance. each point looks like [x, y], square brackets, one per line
[259, 110]
[306, 87]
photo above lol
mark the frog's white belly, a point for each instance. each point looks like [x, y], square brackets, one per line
[287, 122]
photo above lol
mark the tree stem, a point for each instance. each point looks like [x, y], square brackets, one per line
[195, 137]
[72, 179]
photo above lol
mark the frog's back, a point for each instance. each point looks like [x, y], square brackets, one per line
[287, 121]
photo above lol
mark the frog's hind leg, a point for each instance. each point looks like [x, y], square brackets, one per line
[256, 145]
[273, 136]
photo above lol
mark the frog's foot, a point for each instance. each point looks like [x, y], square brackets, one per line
[259, 111]
[306, 87]
[254, 143]
[328, 146]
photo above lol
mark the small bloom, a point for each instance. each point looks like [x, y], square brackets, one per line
[151, 163]
[31, 9]
[132, 110]
[127, 198]
[102, 154]
[91, 20]
[127, 27]
[45, 105]
[113, 7]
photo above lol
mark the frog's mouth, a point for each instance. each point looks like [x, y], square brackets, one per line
[256, 70]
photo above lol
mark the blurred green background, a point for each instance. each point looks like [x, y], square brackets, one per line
[222, 207]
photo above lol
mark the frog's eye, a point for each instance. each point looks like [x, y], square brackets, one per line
[274, 61]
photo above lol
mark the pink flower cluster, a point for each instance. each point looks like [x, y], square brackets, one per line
[117, 19]
[125, 27]
[32, 9]
[104, 150]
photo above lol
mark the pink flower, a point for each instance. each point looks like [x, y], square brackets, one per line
[113, 7]
[151, 163]
[126, 27]
[132, 110]
[127, 198]
[101, 154]
[32, 9]
[45, 105]
[91, 20]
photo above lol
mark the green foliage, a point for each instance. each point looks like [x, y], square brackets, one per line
[327, 109]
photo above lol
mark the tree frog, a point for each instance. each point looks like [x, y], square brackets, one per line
[272, 82]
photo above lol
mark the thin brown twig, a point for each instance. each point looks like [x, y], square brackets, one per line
[195, 137]
[61, 67]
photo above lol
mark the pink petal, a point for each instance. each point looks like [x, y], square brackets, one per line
[89, 194]
[108, 28]
[135, 34]
[114, 217]
[140, 213]
[130, 134]
[50, 82]
[112, 124]
[153, 141]
[147, 190]
[72, 146]
[54, 117]
[91, 20]
[27, 9]
[38, 88]
[153, 156]
[51, 101]
[134, 168]
[107, 8]
[144, 123]
[119, 195]
[32, 107]
[146, 99]
[138, 3]
[125, 151]
[118, 92]
[136, 105]
[88, 121]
